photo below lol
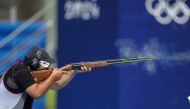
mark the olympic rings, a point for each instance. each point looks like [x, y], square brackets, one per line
[165, 13]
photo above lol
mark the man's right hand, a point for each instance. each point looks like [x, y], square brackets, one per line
[57, 74]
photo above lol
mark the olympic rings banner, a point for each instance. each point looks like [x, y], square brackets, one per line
[144, 31]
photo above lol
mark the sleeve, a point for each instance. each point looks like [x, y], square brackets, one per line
[23, 77]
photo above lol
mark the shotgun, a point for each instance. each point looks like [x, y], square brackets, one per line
[42, 75]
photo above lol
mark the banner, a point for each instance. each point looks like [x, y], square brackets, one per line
[159, 28]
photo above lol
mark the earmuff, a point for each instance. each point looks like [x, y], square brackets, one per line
[33, 62]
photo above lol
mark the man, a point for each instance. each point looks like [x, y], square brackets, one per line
[17, 86]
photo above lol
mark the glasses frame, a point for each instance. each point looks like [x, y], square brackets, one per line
[44, 64]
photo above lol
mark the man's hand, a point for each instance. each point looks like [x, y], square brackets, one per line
[67, 77]
[84, 69]
[57, 74]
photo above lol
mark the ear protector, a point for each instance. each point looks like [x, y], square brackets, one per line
[33, 62]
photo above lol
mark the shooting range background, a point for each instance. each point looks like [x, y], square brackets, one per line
[128, 86]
